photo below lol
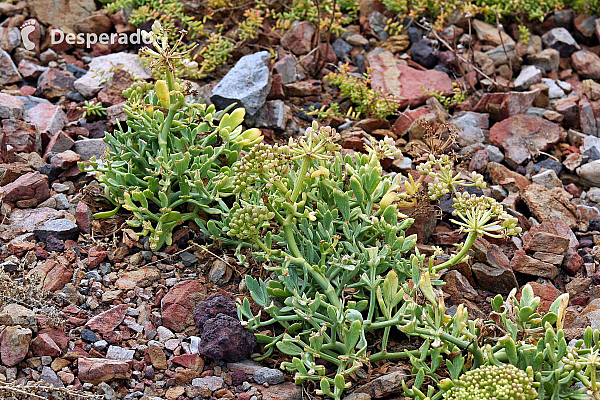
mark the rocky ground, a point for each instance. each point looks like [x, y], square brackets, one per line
[128, 331]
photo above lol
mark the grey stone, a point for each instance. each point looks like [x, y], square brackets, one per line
[498, 54]
[560, 39]
[248, 83]
[62, 229]
[554, 91]
[50, 377]
[8, 70]
[100, 71]
[274, 114]
[211, 383]
[11, 107]
[269, 375]
[88, 148]
[342, 49]
[594, 194]
[548, 179]
[546, 60]
[494, 153]
[119, 353]
[470, 128]
[107, 390]
[529, 75]
[10, 38]
[590, 172]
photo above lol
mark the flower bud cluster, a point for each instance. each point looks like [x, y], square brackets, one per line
[317, 143]
[268, 162]
[248, 220]
[478, 213]
[493, 383]
[383, 149]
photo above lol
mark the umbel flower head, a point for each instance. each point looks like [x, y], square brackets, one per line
[318, 143]
[484, 216]
[263, 161]
[493, 383]
[248, 220]
[445, 180]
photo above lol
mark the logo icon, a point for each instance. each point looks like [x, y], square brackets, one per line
[27, 29]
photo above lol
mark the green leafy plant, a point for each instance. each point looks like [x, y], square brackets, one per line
[457, 97]
[171, 162]
[93, 110]
[367, 101]
[329, 228]
[524, 34]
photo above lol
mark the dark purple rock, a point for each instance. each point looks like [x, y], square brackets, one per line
[224, 338]
[422, 53]
[211, 307]
[54, 244]
[238, 377]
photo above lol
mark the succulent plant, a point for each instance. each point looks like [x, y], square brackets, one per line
[171, 162]
[493, 383]
[92, 109]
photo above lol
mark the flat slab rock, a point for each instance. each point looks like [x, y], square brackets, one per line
[522, 136]
[393, 76]
[545, 205]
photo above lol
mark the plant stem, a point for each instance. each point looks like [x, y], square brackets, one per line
[460, 255]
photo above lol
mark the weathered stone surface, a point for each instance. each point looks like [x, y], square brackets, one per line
[88, 148]
[101, 69]
[545, 242]
[472, 127]
[108, 320]
[528, 76]
[546, 206]
[142, 277]
[521, 135]
[409, 84]
[47, 117]
[560, 39]
[53, 275]
[54, 83]
[62, 13]
[494, 278]
[590, 172]
[8, 70]
[248, 83]
[224, 338]
[384, 385]
[96, 370]
[524, 264]
[503, 105]
[14, 345]
[22, 136]
[10, 106]
[32, 185]
[178, 303]
[299, 38]
[587, 64]
[488, 33]
[213, 305]
[61, 229]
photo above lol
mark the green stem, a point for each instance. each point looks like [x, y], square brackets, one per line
[460, 255]
[300, 179]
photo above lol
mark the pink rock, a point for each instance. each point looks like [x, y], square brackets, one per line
[504, 105]
[520, 135]
[405, 119]
[409, 84]
[108, 320]
[179, 302]
[22, 136]
[65, 160]
[14, 345]
[32, 185]
[191, 361]
[83, 216]
[58, 143]
[43, 345]
[97, 370]
[30, 70]
[47, 117]
[96, 255]
[299, 38]
[586, 63]
[54, 276]
[10, 106]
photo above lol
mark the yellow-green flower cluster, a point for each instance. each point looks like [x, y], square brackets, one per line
[483, 215]
[383, 149]
[318, 143]
[493, 383]
[248, 220]
[445, 180]
[265, 161]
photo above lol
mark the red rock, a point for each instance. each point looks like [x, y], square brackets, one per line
[520, 135]
[54, 276]
[530, 266]
[30, 70]
[141, 277]
[58, 143]
[32, 185]
[96, 370]
[58, 336]
[43, 345]
[569, 108]
[27, 90]
[504, 105]
[586, 63]
[14, 345]
[54, 83]
[66, 159]
[500, 175]
[107, 321]
[559, 227]
[405, 119]
[276, 88]
[179, 302]
[22, 136]
[310, 87]
[11, 172]
[191, 361]
[392, 76]
[156, 357]
[47, 117]
[96, 255]
[573, 189]
[83, 217]
[299, 38]
[547, 205]
[536, 240]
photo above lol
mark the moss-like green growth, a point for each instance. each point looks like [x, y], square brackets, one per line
[493, 383]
